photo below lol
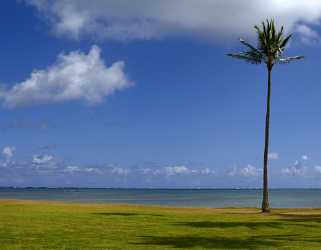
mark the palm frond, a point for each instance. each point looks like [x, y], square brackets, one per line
[280, 34]
[250, 46]
[249, 57]
[285, 41]
[289, 59]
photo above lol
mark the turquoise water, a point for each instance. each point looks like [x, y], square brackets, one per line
[286, 198]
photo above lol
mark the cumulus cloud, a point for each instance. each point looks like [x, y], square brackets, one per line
[297, 169]
[307, 34]
[232, 171]
[273, 156]
[305, 157]
[75, 76]
[123, 20]
[184, 170]
[42, 159]
[47, 170]
[317, 169]
[72, 169]
[93, 170]
[8, 152]
[172, 170]
[207, 171]
[120, 171]
[247, 171]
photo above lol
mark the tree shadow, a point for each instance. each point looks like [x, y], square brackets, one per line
[225, 225]
[125, 214]
[293, 238]
[301, 218]
[277, 240]
[186, 242]
[252, 242]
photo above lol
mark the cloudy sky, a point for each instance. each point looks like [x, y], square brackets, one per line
[107, 93]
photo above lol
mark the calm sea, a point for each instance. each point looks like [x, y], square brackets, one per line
[286, 198]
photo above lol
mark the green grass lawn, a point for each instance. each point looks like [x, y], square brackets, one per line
[46, 225]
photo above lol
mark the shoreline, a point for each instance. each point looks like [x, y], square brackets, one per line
[298, 198]
[146, 188]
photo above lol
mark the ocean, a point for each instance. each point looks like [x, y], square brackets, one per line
[209, 198]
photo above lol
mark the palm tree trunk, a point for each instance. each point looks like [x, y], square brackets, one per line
[265, 201]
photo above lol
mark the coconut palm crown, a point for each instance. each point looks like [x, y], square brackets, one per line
[271, 45]
[270, 49]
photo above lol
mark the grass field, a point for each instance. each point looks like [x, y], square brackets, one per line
[53, 225]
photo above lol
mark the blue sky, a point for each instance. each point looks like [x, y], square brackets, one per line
[116, 95]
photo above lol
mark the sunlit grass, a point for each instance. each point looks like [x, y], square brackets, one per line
[54, 225]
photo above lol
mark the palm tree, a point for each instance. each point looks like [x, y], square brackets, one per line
[271, 45]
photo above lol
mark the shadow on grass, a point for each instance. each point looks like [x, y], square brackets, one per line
[224, 225]
[126, 214]
[302, 218]
[293, 238]
[252, 242]
[186, 242]
[277, 240]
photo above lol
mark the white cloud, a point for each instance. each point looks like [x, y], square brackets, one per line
[296, 170]
[173, 170]
[76, 169]
[305, 157]
[249, 171]
[75, 76]
[120, 171]
[232, 172]
[307, 34]
[207, 171]
[8, 152]
[71, 169]
[176, 170]
[273, 156]
[93, 170]
[146, 171]
[318, 169]
[145, 19]
[42, 159]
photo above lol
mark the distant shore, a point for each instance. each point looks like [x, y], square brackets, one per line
[207, 198]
